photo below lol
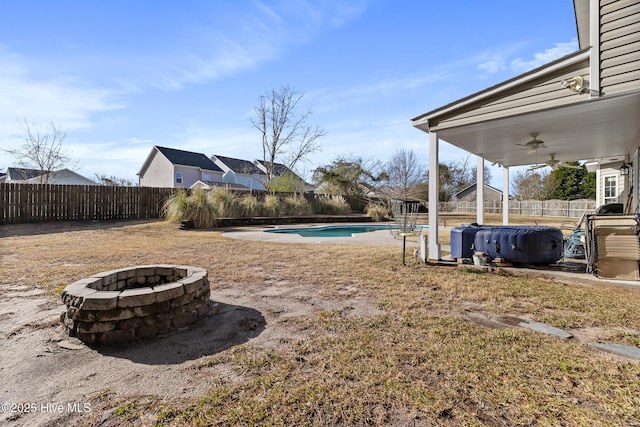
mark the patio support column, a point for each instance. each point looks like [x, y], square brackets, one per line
[594, 41]
[434, 190]
[505, 195]
[480, 191]
[635, 181]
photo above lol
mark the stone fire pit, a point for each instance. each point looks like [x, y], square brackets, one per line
[138, 302]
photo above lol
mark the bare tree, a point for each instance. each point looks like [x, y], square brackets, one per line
[286, 135]
[42, 150]
[532, 185]
[404, 173]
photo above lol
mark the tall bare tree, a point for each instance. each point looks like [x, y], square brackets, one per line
[404, 173]
[42, 149]
[533, 185]
[286, 134]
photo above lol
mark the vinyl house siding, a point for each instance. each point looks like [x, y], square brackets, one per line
[532, 95]
[159, 173]
[619, 46]
[602, 175]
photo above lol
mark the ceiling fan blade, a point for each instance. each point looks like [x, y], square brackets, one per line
[532, 168]
[564, 165]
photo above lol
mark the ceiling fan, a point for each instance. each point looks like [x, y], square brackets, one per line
[534, 144]
[554, 164]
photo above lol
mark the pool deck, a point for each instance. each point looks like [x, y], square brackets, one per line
[380, 237]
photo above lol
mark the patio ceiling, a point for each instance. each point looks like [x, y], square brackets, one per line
[604, 129]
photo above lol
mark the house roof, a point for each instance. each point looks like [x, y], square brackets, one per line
[278, 168]
[210, 184]
[32, 176]
[188, 158]
[65, 175]
[239, 165]
[22, 174]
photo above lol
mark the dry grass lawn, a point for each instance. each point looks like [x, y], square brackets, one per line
[413, 357]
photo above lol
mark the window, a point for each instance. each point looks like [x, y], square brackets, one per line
[179, 177]
[207, 177]
[610, 189]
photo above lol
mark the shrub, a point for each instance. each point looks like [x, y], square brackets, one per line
[271, 205]
[377, 211]
[250, 206]
[296, 205]
[201, 210]
[331, 205]
[225, 203]
[196, 207]
[175, 206]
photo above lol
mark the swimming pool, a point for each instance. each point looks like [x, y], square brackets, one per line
[331, 230]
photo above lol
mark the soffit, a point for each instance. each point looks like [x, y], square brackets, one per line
[604, 128]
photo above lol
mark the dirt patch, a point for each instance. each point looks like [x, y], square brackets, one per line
[42, 366]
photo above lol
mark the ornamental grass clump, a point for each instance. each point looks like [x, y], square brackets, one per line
[201, 210]
[296, 205]
[226, 203]
[377, 211]
[250, 206]
[174, 207]
[330, 205]
[195, 207]
[271, 205]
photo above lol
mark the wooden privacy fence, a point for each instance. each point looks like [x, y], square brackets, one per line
[25, 203]
[561, 208]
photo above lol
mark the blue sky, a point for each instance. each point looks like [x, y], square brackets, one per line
[121, 76]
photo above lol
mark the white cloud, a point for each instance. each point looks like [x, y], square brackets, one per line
[138, 141]
[62, 100]
[254, 36]
[548, 55]
[494, 65]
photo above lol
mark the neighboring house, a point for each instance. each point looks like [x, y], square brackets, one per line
[243, 172]
[2, 177]
[211, 185]
[169, 167]
[583, 106]
[34, 176]
[470, 193]
[280, 169]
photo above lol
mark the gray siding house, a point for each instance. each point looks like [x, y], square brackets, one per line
[583, 106]
[169, 167]
[243, 172]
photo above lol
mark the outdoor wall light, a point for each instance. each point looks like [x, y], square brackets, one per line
[624, 169]
[575, 84]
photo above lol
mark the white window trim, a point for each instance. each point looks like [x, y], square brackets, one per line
[606, 200]
[179, 177]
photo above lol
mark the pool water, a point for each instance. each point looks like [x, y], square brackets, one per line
[330, 230]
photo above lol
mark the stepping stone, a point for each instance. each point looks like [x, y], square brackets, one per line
[546, 329]
[483, 320]
[624, 350]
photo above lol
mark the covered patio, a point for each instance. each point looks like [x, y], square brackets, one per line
[582, 107]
